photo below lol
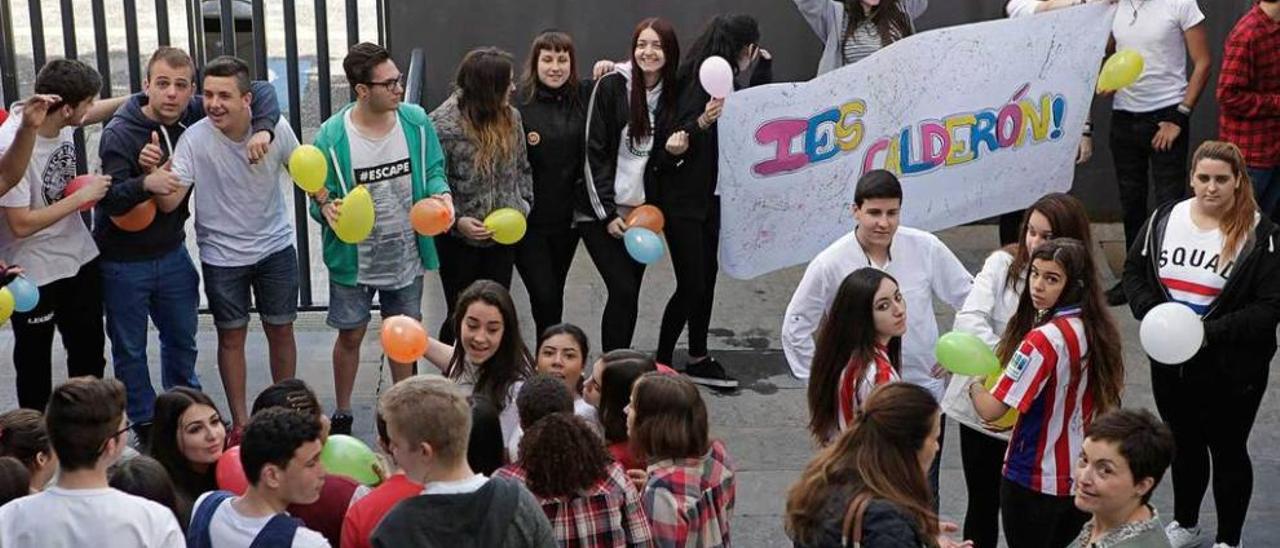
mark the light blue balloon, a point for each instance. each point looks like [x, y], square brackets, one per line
[643, 245]
[25, 294]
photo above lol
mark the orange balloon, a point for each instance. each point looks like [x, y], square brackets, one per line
[138, 218]
[646, 216]
[403, 339]
[430, 217]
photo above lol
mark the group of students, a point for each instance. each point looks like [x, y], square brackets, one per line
[576, 156]
[643, 471]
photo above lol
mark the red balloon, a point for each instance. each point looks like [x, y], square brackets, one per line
[647, 216]
[230, 472]
[75, 185]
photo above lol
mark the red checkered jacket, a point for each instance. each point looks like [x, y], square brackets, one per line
[690, 501]
[1249, 89]
[606, 515]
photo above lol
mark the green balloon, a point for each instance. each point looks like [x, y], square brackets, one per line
[348, 456]
[965, 354]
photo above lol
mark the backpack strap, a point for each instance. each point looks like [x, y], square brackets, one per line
[277, 533]
[851, 529]
[198, 533]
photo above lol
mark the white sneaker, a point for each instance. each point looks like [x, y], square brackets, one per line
[1182, 537]
[1225, 545]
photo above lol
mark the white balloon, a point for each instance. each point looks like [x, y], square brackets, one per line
[1171, 333]
[716, 77]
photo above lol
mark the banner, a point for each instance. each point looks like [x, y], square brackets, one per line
[976, 120]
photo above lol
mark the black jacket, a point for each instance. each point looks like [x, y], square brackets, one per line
[883, 524]
[1240, 326]
[555, 131]
[126, 133]
[501, 514]
[688, 189]
[608, 113]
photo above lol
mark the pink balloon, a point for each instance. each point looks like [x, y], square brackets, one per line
[229, 472]
[716, 77]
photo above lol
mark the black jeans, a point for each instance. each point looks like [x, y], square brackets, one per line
[982, 457]
[1037, 520]
[622, 276]
[543, 259]
[695, 246]
[461, 264]
[73, 306]
[1139, 166]
[1211, 419]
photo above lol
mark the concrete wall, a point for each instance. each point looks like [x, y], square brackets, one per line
[446, 29]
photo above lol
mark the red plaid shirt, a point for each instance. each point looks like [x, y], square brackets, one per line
[1249, 89]
[690, 501]
[608, 514]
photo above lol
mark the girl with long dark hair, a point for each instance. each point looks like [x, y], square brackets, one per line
[187, 438]
[987, 310]
[1216, 254]
[629, 110]
[687, 195]
[1064, 367]
[859, 347]
[851, 30]
[554, 110]
[562, 352]
[878, 470]
[609, 389]
[488, 169]
[490, 358]
[23, 436]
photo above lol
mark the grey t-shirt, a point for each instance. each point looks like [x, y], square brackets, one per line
[389, 256]
[60, 249]
[239, 208]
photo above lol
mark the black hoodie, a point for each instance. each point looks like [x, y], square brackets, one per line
[1240, 326]
[501, 514]
[555, 129]
[122, 140]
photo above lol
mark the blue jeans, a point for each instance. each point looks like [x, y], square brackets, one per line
[273, 281]
[167, 289]
[349, 306]
[1266, 188]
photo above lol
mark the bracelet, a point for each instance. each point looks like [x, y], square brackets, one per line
[1088, 129]
[1184, 109]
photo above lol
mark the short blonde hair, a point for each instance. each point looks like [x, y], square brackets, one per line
[430, 409]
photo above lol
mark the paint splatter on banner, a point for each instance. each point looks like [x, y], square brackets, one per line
[976, 120]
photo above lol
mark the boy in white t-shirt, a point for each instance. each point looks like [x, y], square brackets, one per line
[281, 458]
[41, 231]
[1150, 120]
[87, 429]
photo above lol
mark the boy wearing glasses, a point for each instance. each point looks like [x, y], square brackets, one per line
[390, 148]
[87, 429]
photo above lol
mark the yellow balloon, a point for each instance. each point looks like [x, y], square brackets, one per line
[6, 304]
[507, 225]
[1007, 420]
[308, 167]
[355, 216]
[1121, 70]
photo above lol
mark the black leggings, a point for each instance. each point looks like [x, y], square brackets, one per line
[461, 264]
[982, 457]
[543, 259]
[1211, 420]
[622, 276]
[694, 248]
[1036, 520]
[73, 306]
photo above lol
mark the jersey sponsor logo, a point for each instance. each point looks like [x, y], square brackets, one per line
[1019, 362]
[533, 138]
[384, 172]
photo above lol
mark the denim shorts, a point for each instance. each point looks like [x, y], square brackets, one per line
[274, 281]
[349, 306]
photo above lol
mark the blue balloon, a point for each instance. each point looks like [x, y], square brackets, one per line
[643, 245]
[25, 294]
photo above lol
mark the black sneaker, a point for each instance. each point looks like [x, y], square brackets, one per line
[141, 437]
[340, 423]
[1116, 296]
[710, 373]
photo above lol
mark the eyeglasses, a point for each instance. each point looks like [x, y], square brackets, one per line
[127, 426]
[390, 83]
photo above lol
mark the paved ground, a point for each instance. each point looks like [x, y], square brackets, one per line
[763, 423]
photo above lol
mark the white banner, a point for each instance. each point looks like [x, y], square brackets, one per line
[976, 120]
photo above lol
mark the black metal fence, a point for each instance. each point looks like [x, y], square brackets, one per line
[201, 18]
